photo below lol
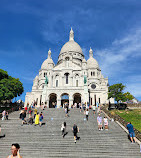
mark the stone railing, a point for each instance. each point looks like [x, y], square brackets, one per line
[116, 117]
[134, 105]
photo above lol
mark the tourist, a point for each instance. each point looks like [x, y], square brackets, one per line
[105, 120]
[30, 120]
[42, 114]
[35, 113]
[15, 149]
[4, 115]
[87, 114]
[37, 119]
[63, 129]
[40, 120]
[98, 109]
[80, 107]
[84, 106]
[75, 105]
[42, 106]
[25, 109]
[23, 116]
[131, 132]
[1, 136]
[99, 122]
[94, 108]
[29, 110]
[67, 111]
[97, 104]
[75, 130]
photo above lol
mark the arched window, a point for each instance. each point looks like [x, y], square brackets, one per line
[91, 73]
[56, 83]
[76, 83]
[67, 77]
[45, 74]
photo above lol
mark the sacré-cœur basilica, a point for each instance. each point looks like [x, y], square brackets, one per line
[72, 79]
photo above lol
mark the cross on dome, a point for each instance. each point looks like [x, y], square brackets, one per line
[71, 35]
[90, 52]
[49, 54]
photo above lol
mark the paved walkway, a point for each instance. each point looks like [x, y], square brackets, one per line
[47, 141]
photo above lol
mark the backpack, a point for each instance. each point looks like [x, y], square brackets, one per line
[74, 129]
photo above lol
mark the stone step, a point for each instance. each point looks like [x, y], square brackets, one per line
[46, 141]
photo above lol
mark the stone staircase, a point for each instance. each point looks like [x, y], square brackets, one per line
[47, 141]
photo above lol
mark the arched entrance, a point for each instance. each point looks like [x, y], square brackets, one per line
[77, 99]
[64, 99]
[52, 100]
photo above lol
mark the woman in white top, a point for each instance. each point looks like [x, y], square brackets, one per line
[94, 108]
[87, 114]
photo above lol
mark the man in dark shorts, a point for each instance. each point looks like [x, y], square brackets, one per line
[75, 130]
[131, 132]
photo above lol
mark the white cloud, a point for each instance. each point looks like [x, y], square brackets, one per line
[117, 61]
[114, 59]
[134, 89]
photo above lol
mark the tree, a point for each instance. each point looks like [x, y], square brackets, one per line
[3, 74]
[128, 96]
[116, 91]
[10, 87]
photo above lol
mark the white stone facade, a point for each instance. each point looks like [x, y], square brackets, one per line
[67, 78]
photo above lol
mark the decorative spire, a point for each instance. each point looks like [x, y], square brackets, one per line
[49, 54]
[71, 35]
[90, 52]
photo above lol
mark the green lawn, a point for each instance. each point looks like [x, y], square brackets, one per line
[133, 116]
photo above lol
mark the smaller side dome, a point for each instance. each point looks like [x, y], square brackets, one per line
[91, 62]
[84, 60]
[48, 61]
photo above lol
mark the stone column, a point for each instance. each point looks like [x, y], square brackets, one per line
[70, 101]
[47, 103]
[38, 103]
[58, 103]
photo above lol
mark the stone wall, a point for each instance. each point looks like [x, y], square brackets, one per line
[134, 105]
[12, 109]
[121, 120]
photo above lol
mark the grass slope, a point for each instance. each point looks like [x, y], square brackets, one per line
[133, 116]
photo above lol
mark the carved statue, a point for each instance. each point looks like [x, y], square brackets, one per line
[85, 79]
[46, 80]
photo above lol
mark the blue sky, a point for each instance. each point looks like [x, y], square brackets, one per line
[28, 28]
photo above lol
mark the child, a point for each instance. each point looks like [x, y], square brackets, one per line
[40, 120]
[105, 120]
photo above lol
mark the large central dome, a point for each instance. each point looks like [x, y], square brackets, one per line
[71, 47]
